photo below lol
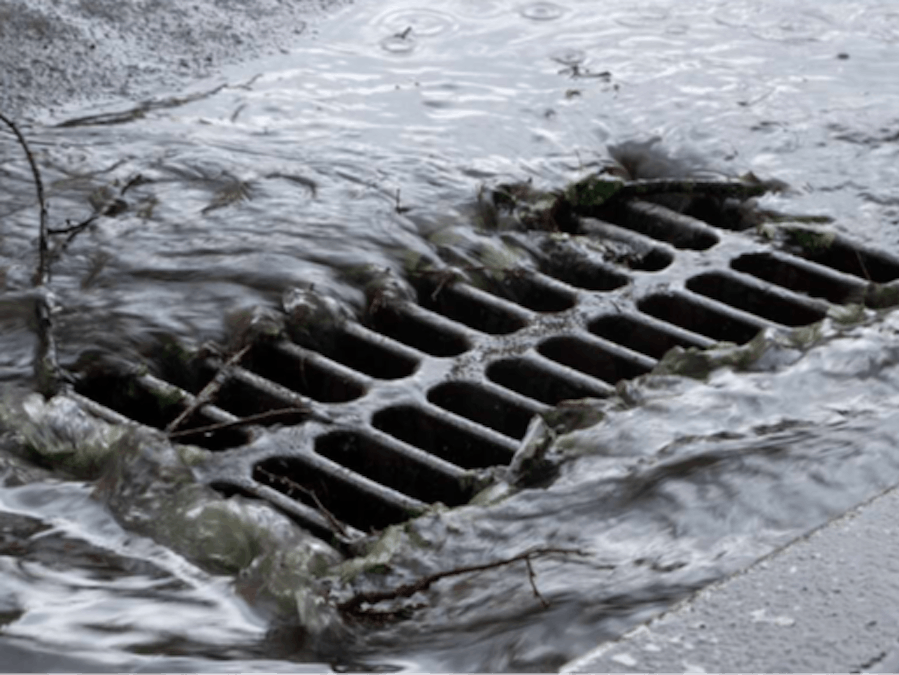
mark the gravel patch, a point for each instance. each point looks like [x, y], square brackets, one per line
[59, 52]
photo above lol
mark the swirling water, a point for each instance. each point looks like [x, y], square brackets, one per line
[289, 171]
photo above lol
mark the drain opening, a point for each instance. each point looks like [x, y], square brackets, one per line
[301, 372]
[831, 251]
[727, 214]
[586, 274]
[638, 335]
[753, 300]
[441, 438]
[366, 356]
[537, 383]
[653, 260]
[526, 290]
[129, 397]
[383, 465]
[347, 502]
[474, 402]
[404, 326]
[627, 248]
[588, 358]
[244, 400]
[797, 278]
[698, 318]
[473, 308]
[662, 224]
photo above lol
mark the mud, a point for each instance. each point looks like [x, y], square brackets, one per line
[80, 51]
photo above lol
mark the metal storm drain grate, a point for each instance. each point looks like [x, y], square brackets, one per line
[386, 416]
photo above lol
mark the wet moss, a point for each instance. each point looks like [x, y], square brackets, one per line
[811, 242]
[59, 434]
[882, 296]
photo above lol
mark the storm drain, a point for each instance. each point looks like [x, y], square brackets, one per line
[404, 409]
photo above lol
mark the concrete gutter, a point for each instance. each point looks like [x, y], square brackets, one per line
[826, 603]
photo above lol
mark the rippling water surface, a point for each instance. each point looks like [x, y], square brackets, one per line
[290, 171]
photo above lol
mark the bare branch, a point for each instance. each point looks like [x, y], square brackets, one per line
[532, 578]
[46, 365]
[243, 421]
[353, 605]
[210, 391]
[334, 523]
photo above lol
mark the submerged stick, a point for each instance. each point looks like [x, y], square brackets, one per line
[408, 590]
[210, 391]
[333, 522]
[46, 365]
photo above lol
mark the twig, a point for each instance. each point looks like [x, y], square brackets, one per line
[335, 524]
[408, 590]
[46, 365]
[532, 578]
[209, 391]
[243, 421]
[69, 229]
[43, 271]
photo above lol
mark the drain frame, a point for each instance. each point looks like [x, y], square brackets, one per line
[421, 402]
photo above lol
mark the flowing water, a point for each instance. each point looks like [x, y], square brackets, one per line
[290, 171]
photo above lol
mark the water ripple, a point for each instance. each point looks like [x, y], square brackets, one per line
[542, 11]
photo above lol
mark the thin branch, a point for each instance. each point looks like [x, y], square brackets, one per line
[243, 421]
[46, 364]
[408, 590]
[43, 271]
[69, 229]
[210, 391]
[334, 523]
[532, 578]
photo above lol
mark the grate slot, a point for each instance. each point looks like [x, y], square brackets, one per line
[245, 394]
[699, 318]
[800, 276]
[304, 372]
[583, 273]
[306, 515]
[836, 253]
[727, 214]
[640, 336]
[399, 470]
[591, 359]
[420, 329]
[154, 403]
[476, 309]
[347, 499]
[537, 382]
[536, 293]
[468, 448]
[662, 224]
[640, 252]
[758, 301]
[474, 402]
[357, 348]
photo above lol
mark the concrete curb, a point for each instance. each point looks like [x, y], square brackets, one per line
[828, 602]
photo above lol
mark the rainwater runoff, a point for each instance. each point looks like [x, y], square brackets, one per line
[441, 339]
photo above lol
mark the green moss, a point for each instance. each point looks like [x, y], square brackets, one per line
[882, 296]
[592, 192]
[810, 241]
[848, 314]
[699, 363]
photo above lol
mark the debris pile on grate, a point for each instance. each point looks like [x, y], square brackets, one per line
[400, 410]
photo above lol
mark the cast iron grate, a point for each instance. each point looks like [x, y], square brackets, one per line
[405, 409]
